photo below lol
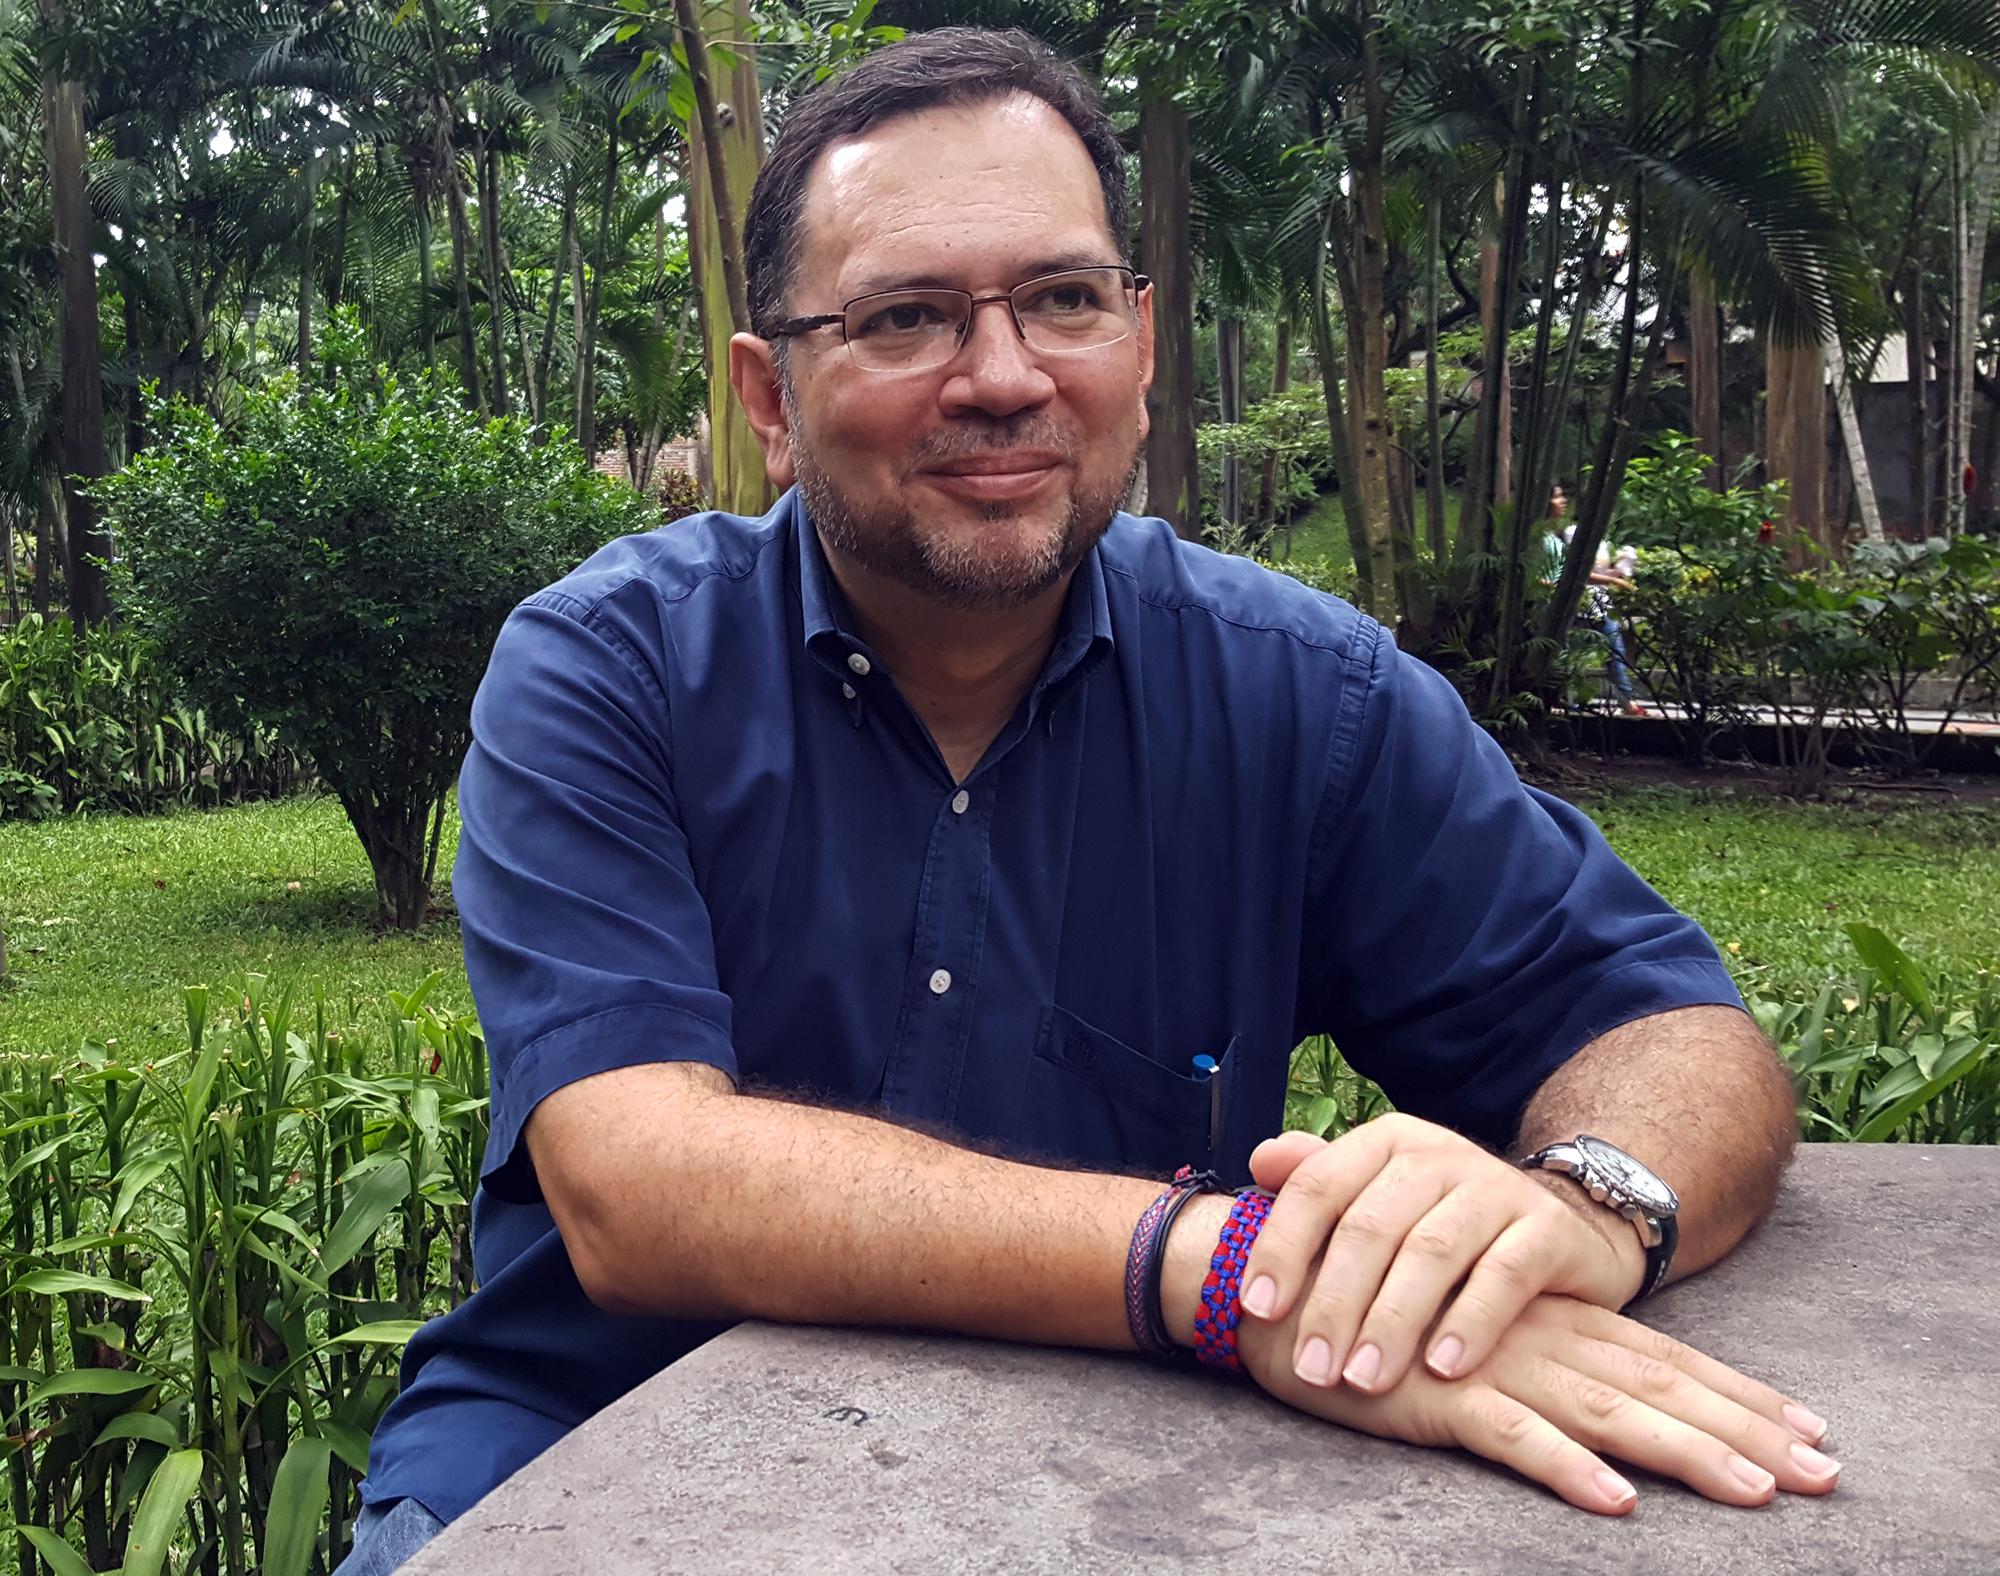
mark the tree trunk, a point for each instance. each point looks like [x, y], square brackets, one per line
[586, 380]
[1336, 417]
[82, 366]
[1434, 520]
[306, 265]
[1166, 254]
[48, 541]
[461, 282]
[1229, 390]
[426, 285]
[1795, 434]
[1704, 366]
[1973, 217]
[489, 233]
[1281, 379]
[1391, 557]
[738, 480]
[1856, 448]
[559, 282]
[1923, 451]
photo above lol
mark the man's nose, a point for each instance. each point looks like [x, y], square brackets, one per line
[995, 371]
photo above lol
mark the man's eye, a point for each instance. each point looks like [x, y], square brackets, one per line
[902, 317]
[1064, 299]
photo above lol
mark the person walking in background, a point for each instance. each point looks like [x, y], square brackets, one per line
[1609, 572]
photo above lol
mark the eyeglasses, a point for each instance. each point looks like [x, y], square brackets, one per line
[916, 330]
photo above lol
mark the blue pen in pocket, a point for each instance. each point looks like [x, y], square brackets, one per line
[1208, 1067]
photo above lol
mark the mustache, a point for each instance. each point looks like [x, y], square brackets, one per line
[981, 436]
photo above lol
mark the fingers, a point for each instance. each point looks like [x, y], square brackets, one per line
[1369, 1237]
[1466, 1227]
[1313, 1198]
[1273, 1161]
[1503, 1429]
[1509, 1274]
[1611, 1420]
[1724, 1427]
[1754, 1396]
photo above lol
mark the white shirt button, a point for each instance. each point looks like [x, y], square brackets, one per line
[847, 690]
[959, 801]
[940, 982]
[858, 664]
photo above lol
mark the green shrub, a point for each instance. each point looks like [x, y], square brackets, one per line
[334, 566]
[98, 724]
[212, 1262]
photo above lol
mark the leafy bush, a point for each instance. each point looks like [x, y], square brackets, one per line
[678, 495]
[335, 566]
[213, 1260]
[1890, 1056]
[97, 724]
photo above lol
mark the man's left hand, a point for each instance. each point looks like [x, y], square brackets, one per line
[1416, 1222]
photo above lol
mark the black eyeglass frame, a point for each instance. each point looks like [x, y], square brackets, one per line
[795, 326]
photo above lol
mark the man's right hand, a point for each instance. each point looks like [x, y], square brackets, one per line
[1569, 1384]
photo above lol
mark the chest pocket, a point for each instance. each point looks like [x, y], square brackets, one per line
[1093, 1101]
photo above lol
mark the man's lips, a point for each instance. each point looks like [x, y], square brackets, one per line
[993, 476]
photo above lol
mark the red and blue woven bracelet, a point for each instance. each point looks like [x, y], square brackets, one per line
[1222, 1292]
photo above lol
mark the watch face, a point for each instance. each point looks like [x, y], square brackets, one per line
[1630, 1178]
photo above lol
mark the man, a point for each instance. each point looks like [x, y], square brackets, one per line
[1606, 575]
[945, 800]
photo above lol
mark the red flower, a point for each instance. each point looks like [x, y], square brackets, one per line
[1968, 480]
[1767, 530]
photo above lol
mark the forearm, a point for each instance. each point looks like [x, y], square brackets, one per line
[731, 1206]
[1697, 1095]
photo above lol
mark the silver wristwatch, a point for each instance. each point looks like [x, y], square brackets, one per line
[1619, 1182]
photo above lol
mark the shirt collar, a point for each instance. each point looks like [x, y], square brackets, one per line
[1083, 634]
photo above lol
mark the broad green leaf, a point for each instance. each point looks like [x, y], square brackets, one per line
[12, 1374]
[1963, 1060]
[369, 1203]
[349, 1443]
[298, 1501]
[56, 1554]
[139, 1425]
[174, 1484]
[89, 1381]
[1892, 963]
[55, 1283]
[383, 1332]
[138, 1174]
[1320, 1115]
[40, 1153]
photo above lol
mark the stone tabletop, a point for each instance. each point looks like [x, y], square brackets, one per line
[1870, 1294]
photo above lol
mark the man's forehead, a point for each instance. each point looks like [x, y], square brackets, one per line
[950, 192]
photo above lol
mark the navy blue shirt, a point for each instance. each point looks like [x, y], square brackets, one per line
[700, 823]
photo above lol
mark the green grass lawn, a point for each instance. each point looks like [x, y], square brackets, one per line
[1321, 532]
[1776, 882]
[108, 917]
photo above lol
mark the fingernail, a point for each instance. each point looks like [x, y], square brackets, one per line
[1615, 1488]
[1810, 1460]
[1446, 1356]
[1810, 1426]
[1315, 1364]
[1261, 1298]
[1752, 1476]
[1363, 1367]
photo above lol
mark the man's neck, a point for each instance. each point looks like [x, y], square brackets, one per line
[963, 672]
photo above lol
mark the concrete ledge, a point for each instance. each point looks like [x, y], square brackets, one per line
[1869, 1294]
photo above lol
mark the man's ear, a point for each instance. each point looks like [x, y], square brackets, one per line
[1144, 331]
[753, 373]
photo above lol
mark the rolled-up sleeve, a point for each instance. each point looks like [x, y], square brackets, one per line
[1466, 934]
[587, 943]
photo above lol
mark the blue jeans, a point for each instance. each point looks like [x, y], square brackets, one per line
[387, 1535]
[1621, 675]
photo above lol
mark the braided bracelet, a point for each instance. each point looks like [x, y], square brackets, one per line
[1221, 1293]
[1147, 1253]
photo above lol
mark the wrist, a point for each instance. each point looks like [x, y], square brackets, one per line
[1620, 1237]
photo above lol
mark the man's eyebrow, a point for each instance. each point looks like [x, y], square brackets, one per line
[879, 283]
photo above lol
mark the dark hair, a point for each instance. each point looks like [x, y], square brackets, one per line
[950, 65]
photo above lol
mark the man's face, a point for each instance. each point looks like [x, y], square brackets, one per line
[984, 481]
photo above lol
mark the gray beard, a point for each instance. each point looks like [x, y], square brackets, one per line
[889, 542]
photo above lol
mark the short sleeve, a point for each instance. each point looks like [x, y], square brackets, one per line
[587, 943]
[1466, 934]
